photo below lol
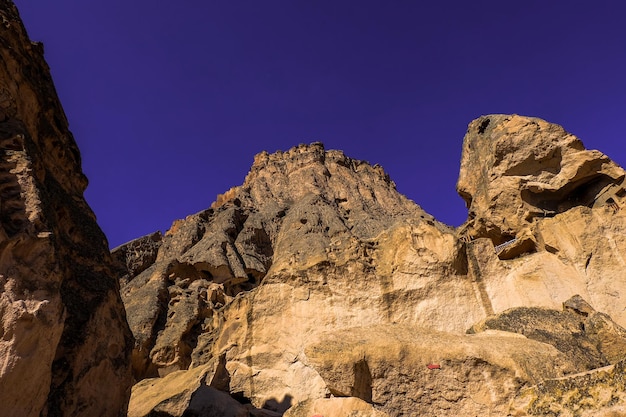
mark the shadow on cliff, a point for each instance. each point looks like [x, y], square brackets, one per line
[12, 209]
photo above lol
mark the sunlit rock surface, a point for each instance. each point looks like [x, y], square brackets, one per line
[316, 279]
[314, 288]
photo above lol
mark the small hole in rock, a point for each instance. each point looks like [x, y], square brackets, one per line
[483, 126]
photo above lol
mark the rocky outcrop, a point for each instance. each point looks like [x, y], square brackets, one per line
[314, 288]
[583, 334]
[136, 256]
[197, 392]
[334, 407]
[268, 226]
[411, 371]
[64, 341]
[515, 169]
[315, 280]
[524, 253]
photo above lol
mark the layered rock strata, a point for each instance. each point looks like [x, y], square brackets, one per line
[64, 341]
[317, 279]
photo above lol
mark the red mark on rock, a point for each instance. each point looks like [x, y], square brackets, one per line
[433, 366]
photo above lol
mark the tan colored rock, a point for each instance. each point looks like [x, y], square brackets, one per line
[64, 341]
[411, 371]
[589, 338]
[334, 407]
[269, 224]
[578, 252]
[315, 243]
[600, 392]
[194, 392]
[515, 169]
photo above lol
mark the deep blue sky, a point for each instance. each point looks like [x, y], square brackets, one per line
[169, 101]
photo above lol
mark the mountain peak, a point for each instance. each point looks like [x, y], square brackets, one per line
[286, 177]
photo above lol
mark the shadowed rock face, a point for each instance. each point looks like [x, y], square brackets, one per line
[64, 341]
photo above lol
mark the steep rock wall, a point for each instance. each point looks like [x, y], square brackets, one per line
[64, 341]
[317, 256]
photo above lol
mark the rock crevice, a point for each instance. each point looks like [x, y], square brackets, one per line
[63, 325]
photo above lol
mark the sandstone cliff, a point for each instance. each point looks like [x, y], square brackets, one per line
[64, 341]
[314, 288]
[317, 279]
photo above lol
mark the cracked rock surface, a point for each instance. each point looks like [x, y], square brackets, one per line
[315, 279]
[64, 342]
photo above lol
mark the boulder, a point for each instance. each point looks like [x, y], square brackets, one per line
[590, 338]
[189, 393]
[412, 371]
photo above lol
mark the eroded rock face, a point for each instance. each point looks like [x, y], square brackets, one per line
[568, 238]
[64, 341]
[516, 169]
[412, 371]
[197, 392]
[315, 278]
[586, 336]
[597, 393]
[299, 209]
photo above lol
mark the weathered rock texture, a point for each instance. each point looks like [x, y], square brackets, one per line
[515, 169]
[597, 393]
[409, 371]
[584, 335]
[334, 407]
[317, 279]
[64, 341]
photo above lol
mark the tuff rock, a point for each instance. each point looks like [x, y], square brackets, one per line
[591, 338]
[596, 393]
[316, 282]
[334, 407]
[314, 288]
[64, 342]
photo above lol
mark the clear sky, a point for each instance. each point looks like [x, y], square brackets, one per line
[169, 101]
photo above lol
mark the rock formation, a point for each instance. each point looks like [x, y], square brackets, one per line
[315, 288]
[316, 282]
[596, 393]
[516, 169]
[576, 248]
[64, 341]
[584, 335]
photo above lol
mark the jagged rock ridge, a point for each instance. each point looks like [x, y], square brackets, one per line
[64, 341]
[316, 278]
[217, 254]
